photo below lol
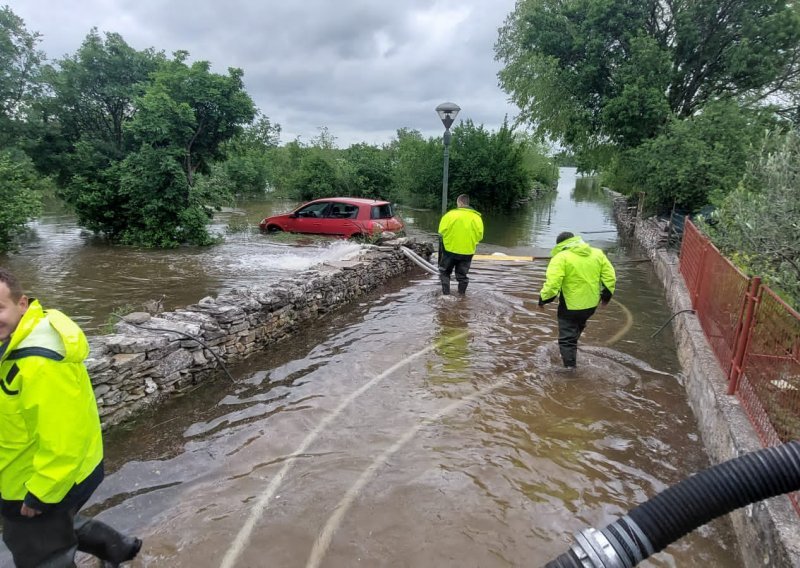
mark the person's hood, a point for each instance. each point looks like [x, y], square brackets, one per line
[573, 244]
[470, 209]
[50, 330]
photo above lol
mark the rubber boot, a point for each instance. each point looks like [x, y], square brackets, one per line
[462, 288]
[105, 542]
[63, 559]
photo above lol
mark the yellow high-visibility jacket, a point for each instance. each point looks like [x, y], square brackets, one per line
[461, 230]
[577, 270]
[50, 437]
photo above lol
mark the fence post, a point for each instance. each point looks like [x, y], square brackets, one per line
[745, 332]
[701, 269]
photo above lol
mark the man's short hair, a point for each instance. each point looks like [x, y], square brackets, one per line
[564, 236]
[7, 277]
[463, 199]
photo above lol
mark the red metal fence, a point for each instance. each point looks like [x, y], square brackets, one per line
[754, 334]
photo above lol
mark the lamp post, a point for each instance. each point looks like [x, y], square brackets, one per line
[447, 112]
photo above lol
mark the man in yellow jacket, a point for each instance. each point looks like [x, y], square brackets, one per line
[461, 230]
[51, 446]
[581, 277]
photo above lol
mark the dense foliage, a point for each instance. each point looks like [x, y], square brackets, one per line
[497, 169]
[693, 160]
[616, 80]
[20, 185]
[757, 224]
[20, 195]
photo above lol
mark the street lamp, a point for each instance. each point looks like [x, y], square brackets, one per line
[447, 112]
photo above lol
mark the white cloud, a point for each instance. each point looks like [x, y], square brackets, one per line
[362, 68]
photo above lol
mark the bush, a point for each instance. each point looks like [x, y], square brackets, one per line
[20, 195]
[694, 161]
[757, 224]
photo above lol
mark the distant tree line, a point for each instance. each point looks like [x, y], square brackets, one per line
[673, 99]
[144, 147]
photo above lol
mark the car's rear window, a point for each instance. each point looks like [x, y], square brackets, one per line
[384, 211]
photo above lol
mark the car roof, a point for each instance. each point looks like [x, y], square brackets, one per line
[351, 200]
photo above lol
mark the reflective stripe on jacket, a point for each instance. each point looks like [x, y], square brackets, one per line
[577, 270]
[461, 230]
[50, 437]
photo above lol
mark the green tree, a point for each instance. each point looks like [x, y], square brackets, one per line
[191, 112]
[590, 73]
[247, 168]
[92, 100]
[417, 168]
[284, 161]
[315, 177]
[746, 226]
[20, 185]
[367, 171]
[693, 160]
[488, 166]
[20, 194]
[138, 129]
[20, 66]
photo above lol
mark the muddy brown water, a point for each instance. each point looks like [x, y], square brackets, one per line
[407, 429]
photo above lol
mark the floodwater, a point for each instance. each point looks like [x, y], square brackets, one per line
[412, 430]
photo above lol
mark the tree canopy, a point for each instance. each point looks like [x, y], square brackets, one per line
[594, 72]
[126, 132]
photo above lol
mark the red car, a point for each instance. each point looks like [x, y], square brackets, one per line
[344, 216]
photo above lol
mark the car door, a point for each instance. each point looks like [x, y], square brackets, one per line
[308, 219]
[338, 219]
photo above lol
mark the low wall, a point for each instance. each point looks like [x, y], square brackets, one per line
[151, 357]
[768, 531]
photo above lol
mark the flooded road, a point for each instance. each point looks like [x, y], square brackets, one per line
[412, 430]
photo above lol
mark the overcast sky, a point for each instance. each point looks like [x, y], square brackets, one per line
[363, 68]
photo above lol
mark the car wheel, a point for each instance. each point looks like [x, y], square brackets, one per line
[274, 229]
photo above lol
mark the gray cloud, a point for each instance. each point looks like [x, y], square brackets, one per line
[362, 68]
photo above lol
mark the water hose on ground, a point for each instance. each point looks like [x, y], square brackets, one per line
[625, 328]
[666, 323]
[673, 513]
[419, 261]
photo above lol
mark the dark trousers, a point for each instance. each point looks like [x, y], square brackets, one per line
[448, 262]
[570, 327]
[50, 540]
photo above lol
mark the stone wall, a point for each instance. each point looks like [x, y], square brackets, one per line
[768, 531]
[151, 357]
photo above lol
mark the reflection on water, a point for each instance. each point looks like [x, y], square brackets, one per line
[451, 437]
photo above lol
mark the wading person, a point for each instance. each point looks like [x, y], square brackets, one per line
[581, 277]
[51, 448]
[461, 230]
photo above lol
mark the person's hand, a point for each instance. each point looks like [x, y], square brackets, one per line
[26, 511]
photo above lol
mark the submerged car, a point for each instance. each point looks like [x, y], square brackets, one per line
[349, 217]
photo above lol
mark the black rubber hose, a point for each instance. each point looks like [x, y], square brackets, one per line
[678, 510]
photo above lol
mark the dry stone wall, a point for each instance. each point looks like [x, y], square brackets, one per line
[151, 357]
